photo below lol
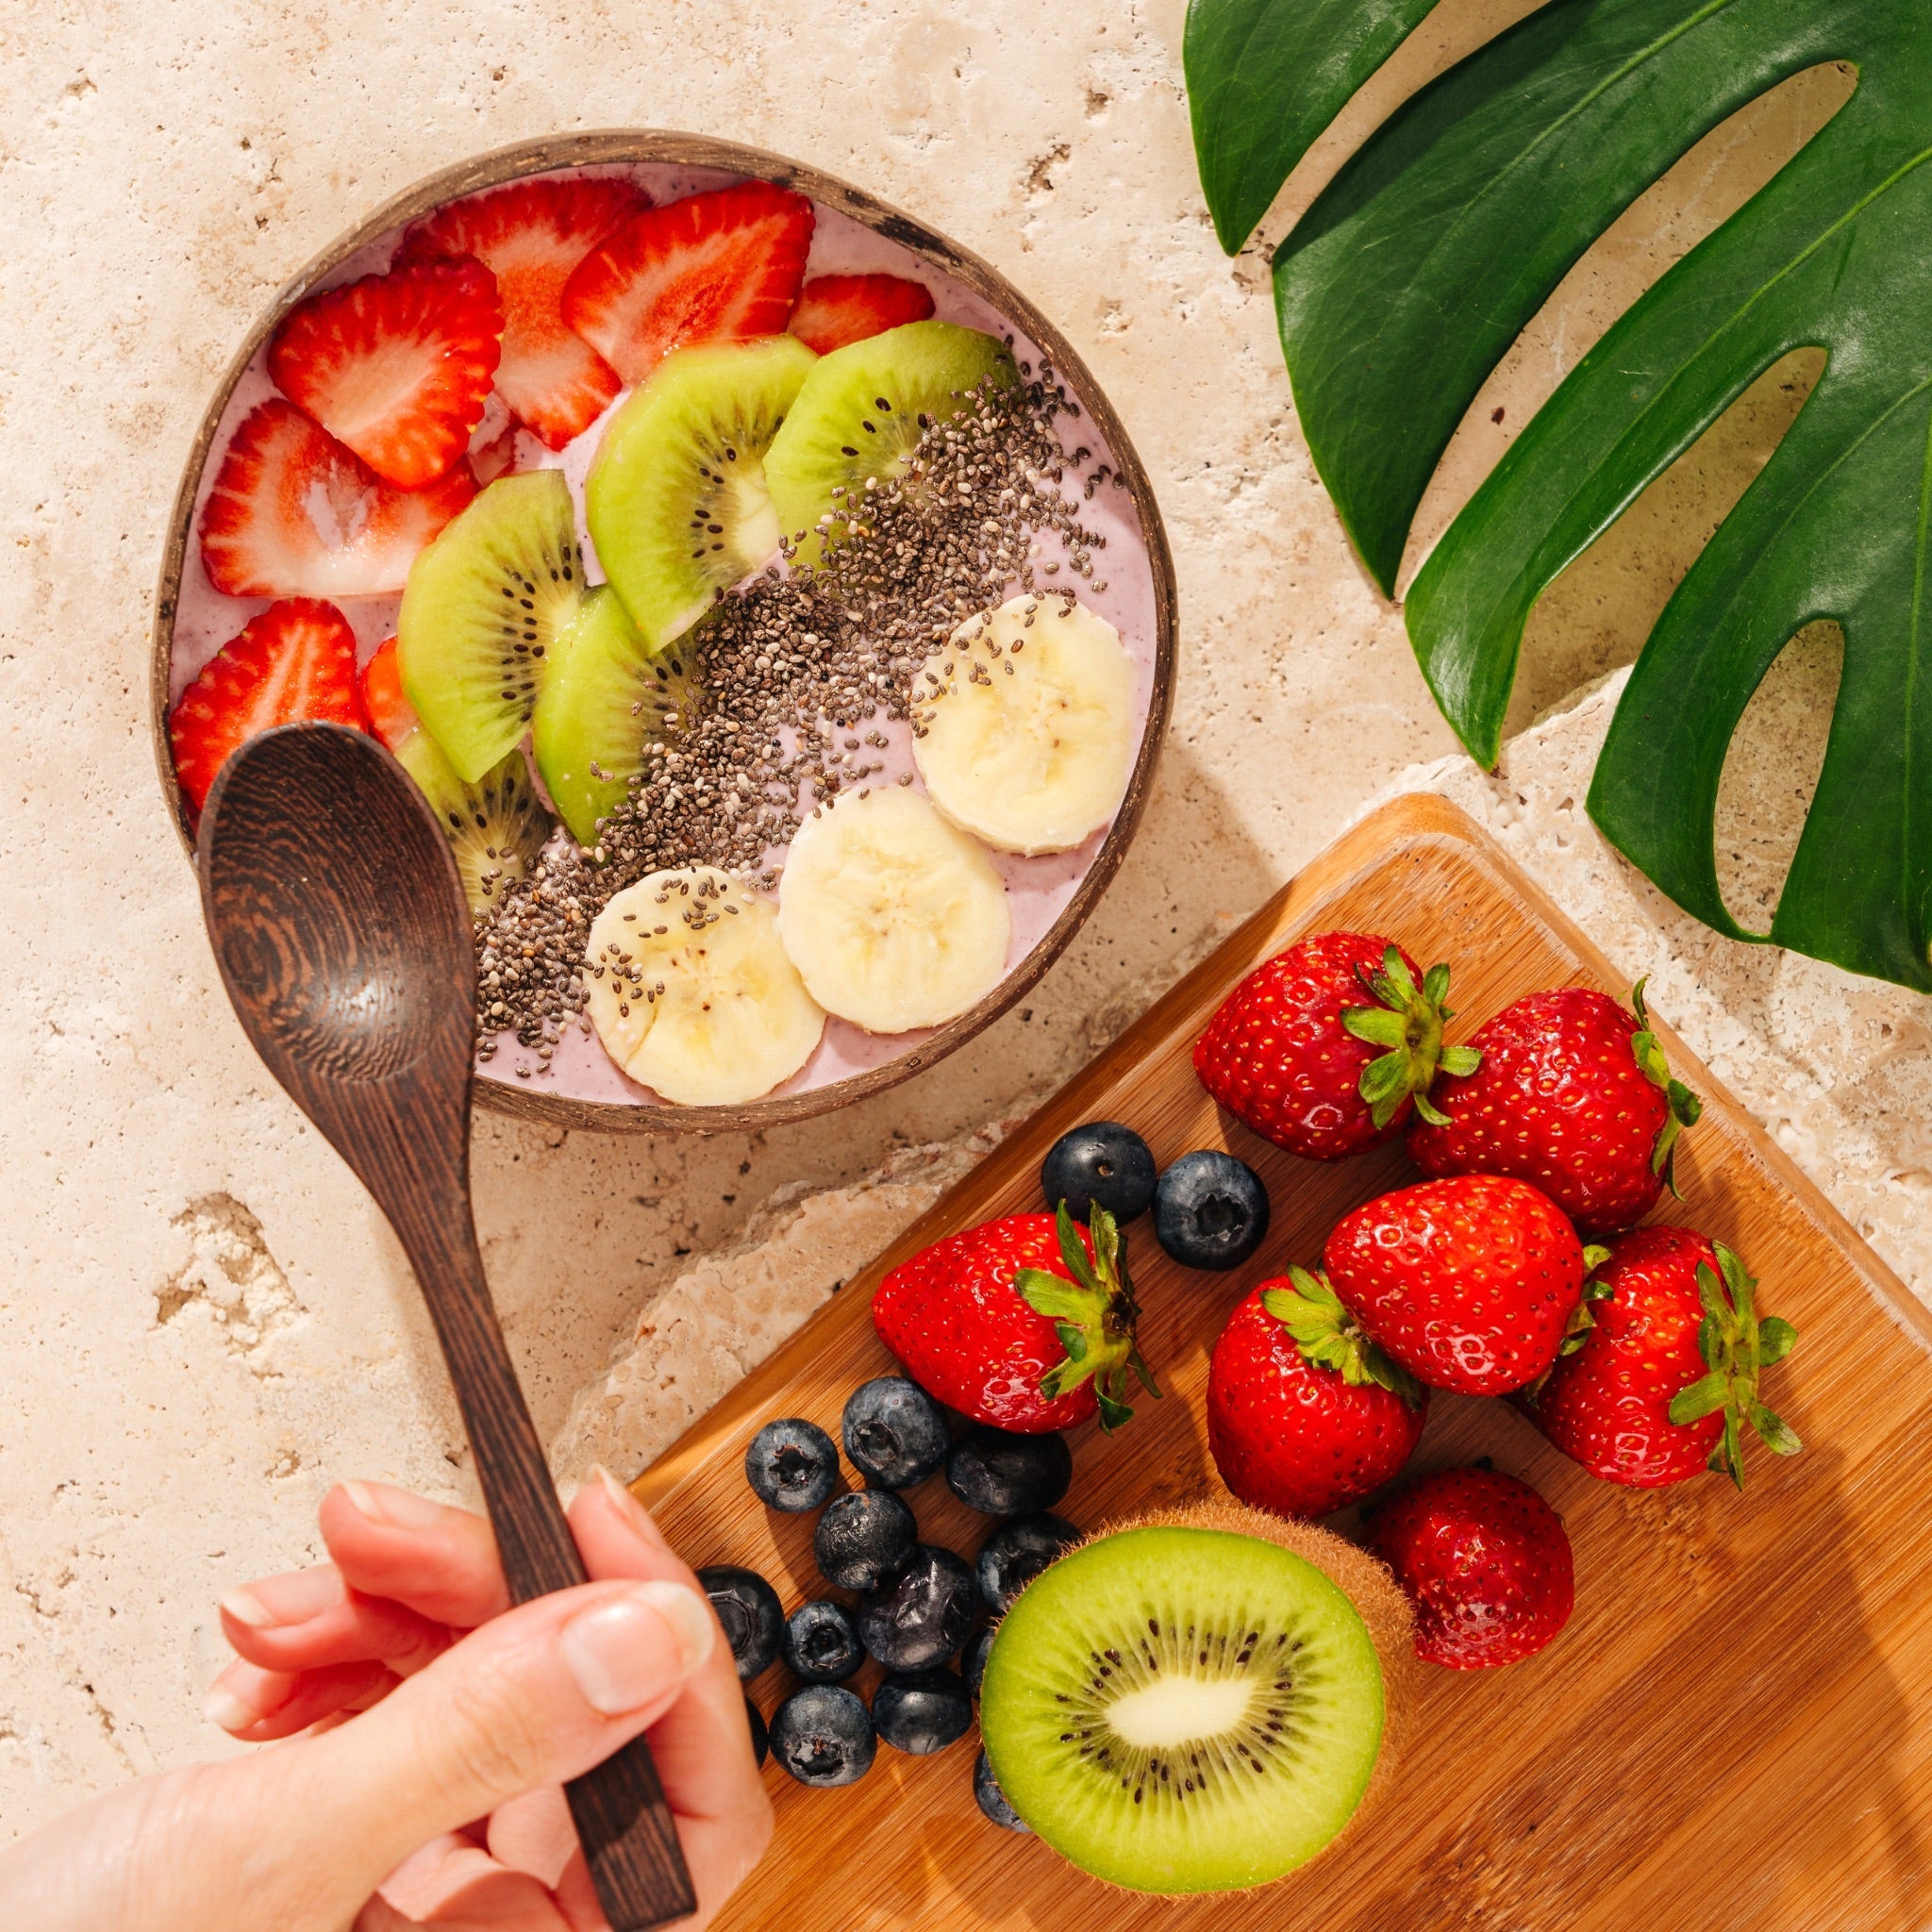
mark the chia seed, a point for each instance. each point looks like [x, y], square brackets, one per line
[791, 669]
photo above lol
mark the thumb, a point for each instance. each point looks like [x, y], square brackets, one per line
[534, 1697]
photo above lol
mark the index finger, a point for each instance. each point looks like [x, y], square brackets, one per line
[701, 1745]
[432, 1557]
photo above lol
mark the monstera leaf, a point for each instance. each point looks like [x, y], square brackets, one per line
[1412, 273]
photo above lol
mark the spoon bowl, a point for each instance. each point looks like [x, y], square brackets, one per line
[343, 939]
[344, 936]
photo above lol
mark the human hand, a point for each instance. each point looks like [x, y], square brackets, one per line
[440, 1725]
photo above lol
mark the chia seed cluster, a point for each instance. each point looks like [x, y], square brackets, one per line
[793, 673]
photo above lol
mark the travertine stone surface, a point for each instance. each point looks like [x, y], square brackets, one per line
[202, 1319]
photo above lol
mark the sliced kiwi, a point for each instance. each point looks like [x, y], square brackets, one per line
[1189, 1707]
[605, 696]
[495, 827]
[482, 606]
[863, 411]
[676, 499]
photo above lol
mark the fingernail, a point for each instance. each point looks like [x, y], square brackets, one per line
[224, 1708]
[276, 1602]
[247, 1607]
[628, 1506]
[617, 1651]
[392, 1508]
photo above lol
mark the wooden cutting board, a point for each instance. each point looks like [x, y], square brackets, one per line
[1734, 1730]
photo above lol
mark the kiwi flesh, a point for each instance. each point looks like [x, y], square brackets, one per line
[605, 696]
[482, 606]
[860, 415]
[1201, 1701]
[495, 827]
[675, 500]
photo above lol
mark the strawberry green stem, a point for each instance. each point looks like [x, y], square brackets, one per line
[1581, 1320]
[1685, 1107]
[1094, 1315]
[1736, 1344]
[1407, 1021]
[1328, 1336]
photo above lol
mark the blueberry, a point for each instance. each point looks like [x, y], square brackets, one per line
[748, 1607]
[821, 1645]
[1016, 1553]
[992, 1801]
[760, 1737]
[922, 1617]
[1210, 1210]
[1103, 1161]
[1004, 1475]
[895, 1433]
[976, 1653]
[864, 1539]
[793, 1465]
[922, 1711]
[823, 1735]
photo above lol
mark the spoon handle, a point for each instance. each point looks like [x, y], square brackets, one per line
[629, 1839]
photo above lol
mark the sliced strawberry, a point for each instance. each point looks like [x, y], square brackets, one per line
[712, 267]
[530, 236]
[392, 716]
[297, 660]
[396, 366]
[294, 515]
[836, 310]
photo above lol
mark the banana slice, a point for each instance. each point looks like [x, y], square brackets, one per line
[1027, 730]
[692, 993]
[895, 919]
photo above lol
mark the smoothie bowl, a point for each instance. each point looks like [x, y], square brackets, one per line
[758, 585]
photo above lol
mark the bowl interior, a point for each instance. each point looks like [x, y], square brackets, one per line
[1131, 587]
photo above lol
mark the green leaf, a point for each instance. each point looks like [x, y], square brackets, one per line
[1377, 1024]
[1777, 1436]
[1264, 79]
[1710, 1293]
[1414, 271]
[1072, 1340]
[1051, 1296]
[1461, 1060]
[1380, 1369]
[1071, 1252]
[1776, 1337]
[1685, 1104]
[1703, 1398]
[1395, 983]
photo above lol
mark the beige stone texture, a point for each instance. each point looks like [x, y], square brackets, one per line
[203, 1321]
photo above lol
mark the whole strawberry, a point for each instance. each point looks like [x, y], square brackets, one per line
[1573, 1097]
[1305, 1414]
[1325, 1047]
[1471, 1284]
[1025, 1324]
[1663, 1381]
[1486, 1562]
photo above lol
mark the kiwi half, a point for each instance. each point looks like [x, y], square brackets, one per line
[676, 500]
[1198, 1702]
[862, 411]
[605, 696]
[495, 827]
[483, 605]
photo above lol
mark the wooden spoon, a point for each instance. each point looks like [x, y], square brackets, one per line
[343, 938]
